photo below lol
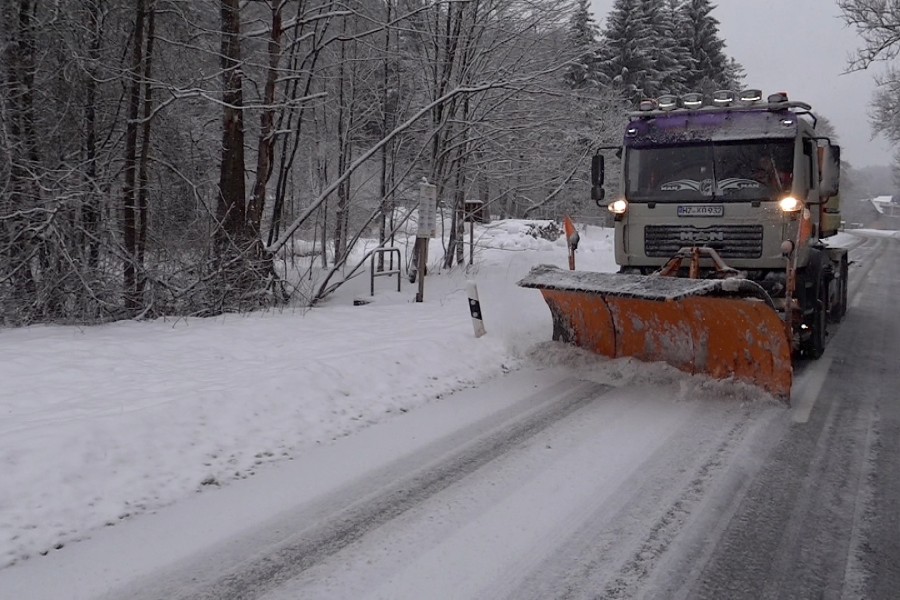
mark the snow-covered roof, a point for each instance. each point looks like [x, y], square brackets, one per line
[885, 206]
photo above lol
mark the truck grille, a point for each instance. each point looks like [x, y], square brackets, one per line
[730, 241]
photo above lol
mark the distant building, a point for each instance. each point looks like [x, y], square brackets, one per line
[887, 206]
[888, 210]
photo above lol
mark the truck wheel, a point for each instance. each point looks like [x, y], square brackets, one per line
[816, 343]
[839, 309]
[845, 285]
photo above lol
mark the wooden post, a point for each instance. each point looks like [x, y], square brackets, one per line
[427, 225]
[422, 260]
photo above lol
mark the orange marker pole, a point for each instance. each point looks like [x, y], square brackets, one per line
[571, 240]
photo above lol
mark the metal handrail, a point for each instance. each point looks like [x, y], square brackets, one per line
[373, 274]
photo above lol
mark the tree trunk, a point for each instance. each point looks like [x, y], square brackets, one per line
[91, 207]
[143, 178]
[266, 145]
[232, 190]
[293, 120]
[343, 191]
[19, 239]
[129, 222]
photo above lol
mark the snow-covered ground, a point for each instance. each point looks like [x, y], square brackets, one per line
[103, 423]
[99, 424]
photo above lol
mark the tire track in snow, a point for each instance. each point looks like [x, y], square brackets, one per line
[340, 521]
[618, 548]
[814, 522]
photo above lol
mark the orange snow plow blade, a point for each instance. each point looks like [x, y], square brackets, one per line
[723, 328]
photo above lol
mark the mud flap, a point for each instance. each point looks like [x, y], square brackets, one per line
[720, 328]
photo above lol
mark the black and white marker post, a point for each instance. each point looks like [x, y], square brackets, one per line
[475, 309]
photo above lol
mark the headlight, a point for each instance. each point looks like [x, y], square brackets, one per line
[618, 207]
[790, 204]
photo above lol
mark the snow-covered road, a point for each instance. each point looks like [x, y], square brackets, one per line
[586, 493]
[582, 490]
[536, 483]
[568, 478]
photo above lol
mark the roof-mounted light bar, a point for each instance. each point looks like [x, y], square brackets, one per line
[748, 99]
[692, 101]
[750, 96]
[667, 102]
[723, 98]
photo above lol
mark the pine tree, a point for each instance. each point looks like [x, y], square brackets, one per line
[674, 26]
[582, 38]
[625, 54]
[734, 75]
[666, 65]
[699, 30]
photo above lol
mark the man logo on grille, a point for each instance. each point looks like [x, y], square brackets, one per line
[702, 236]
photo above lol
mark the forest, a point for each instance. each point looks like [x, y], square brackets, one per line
[197, 157]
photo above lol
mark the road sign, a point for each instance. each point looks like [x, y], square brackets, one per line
[427, 224]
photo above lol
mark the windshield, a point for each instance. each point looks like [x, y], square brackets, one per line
[721, 171]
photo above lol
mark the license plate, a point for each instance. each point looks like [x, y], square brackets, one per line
[701, 210]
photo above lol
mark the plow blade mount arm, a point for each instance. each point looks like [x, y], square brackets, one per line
[723, 328]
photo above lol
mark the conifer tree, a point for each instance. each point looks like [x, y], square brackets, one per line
[712, 69]
[582, 38]
[734, 74]
[625, 54]
[673, 28]
[666, 65]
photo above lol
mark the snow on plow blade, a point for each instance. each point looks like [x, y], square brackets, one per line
[723, 328]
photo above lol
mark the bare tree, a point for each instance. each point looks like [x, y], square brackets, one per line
[230, 209]
[91, 209]
[266, 144]
[24, 217]
[878, 24]
[147, 146]
[134, 191]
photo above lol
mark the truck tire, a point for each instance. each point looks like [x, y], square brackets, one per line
[815, 345]
[815, 304]
[839, 308]
[845, 286]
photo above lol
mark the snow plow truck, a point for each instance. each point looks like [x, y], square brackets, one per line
[719, 233]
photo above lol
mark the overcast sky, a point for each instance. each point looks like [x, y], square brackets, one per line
[801, 47]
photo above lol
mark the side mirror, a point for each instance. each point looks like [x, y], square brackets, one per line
[597, 174]
[829, 170]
